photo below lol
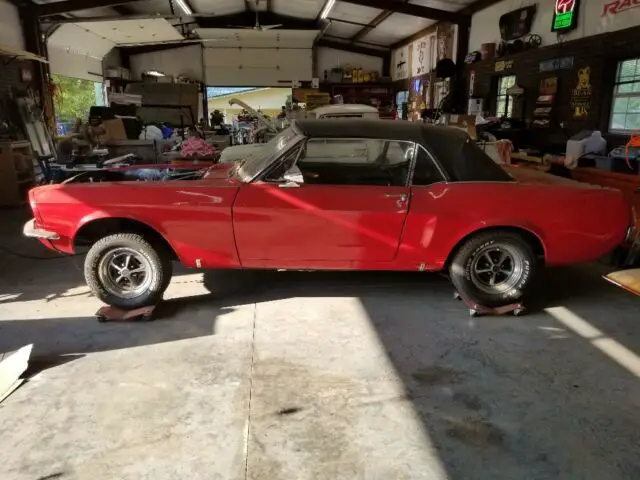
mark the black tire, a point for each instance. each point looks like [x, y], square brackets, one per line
[155, 259]
[473, 268]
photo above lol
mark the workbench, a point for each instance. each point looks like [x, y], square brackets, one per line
[523, 157]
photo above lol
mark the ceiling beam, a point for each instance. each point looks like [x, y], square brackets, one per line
[372, 25]
[350, 47]
[324, 5]
[122, 10]
[416, 36]
[248, 19]
[19, 3]
[68, 6]
[414, 10]
[478, 5]
[128, 51]
[348, 22]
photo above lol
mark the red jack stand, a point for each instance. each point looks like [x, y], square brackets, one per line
[476, 310]
[113, 314]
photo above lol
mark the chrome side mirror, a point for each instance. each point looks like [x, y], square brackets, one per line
[289, 184]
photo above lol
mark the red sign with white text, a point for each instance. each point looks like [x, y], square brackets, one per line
[618, 6]
[565, 6]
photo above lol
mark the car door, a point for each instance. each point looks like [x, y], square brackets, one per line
[348, 212]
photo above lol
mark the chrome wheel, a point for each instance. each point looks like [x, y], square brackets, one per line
[125, 273]
[497, 268]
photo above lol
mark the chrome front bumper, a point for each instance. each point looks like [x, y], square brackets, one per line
[30, 230]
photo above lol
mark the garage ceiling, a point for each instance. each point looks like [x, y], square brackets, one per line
[376, 24]
[218, 38]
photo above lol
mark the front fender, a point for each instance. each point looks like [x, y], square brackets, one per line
[139, 219]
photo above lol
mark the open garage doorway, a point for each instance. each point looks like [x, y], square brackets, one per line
[243, 122]
[73, 99]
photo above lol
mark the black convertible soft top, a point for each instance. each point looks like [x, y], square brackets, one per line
[459, 156]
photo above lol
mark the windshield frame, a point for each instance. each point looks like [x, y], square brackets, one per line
[265, 159]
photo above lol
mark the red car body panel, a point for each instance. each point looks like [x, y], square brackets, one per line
[572, 224]
[216, 222]
[194, 217]
[318, 226]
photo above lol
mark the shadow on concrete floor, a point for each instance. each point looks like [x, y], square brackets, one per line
[499, 397]
[58, 340]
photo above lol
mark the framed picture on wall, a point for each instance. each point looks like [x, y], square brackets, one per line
[26, 75]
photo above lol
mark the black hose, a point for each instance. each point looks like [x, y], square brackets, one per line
[31, 257]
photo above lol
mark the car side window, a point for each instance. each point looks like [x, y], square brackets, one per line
[281, 169]
[426, 172]
[357, 161]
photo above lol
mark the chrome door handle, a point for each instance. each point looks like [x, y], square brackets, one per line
[403, 196]
[401, 199]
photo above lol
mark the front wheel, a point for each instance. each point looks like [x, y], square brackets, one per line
[128, 272]
[493, 268]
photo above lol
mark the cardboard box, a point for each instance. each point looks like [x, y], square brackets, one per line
[463, 122]
[109, 130]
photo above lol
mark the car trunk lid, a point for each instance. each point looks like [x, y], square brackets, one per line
[531, 176]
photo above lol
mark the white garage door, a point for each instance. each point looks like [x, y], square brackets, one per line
[251, 58]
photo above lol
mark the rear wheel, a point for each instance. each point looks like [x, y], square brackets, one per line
[128, 272]
[493, 268]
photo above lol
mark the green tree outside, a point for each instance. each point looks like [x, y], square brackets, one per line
[74, 98]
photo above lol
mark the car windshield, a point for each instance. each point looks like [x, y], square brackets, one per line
[256, 162]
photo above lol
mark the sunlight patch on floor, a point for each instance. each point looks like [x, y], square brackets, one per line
[610, 347]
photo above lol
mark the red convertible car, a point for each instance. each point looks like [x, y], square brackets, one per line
[340, 195]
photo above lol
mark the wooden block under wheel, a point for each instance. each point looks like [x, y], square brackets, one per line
[113, 314]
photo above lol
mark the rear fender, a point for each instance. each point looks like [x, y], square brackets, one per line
[510, 224]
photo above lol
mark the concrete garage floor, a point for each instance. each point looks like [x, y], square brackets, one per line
[318, 376]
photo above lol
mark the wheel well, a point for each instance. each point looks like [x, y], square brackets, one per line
[531, 238]
[93, 231]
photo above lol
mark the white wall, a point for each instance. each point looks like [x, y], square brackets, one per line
[257, 67]
[591, 21]
[177, 62]
[10, 28]
[329, 58]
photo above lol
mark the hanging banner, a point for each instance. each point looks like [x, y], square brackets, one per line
[401, 63]
[503, 65]
[581, 95]
[472, 83]
[420, 58]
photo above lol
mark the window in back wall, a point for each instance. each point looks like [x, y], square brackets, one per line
[504, 103]
[625, 111]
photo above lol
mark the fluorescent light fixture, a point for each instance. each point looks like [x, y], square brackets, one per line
[326, 11]
[185, 8]
[154, 73]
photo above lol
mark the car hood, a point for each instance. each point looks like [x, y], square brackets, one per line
[153, 173]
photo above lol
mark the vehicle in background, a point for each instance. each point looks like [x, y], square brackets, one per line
[344, 111]
[629, 278]
[338, 195]
[238, 152]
